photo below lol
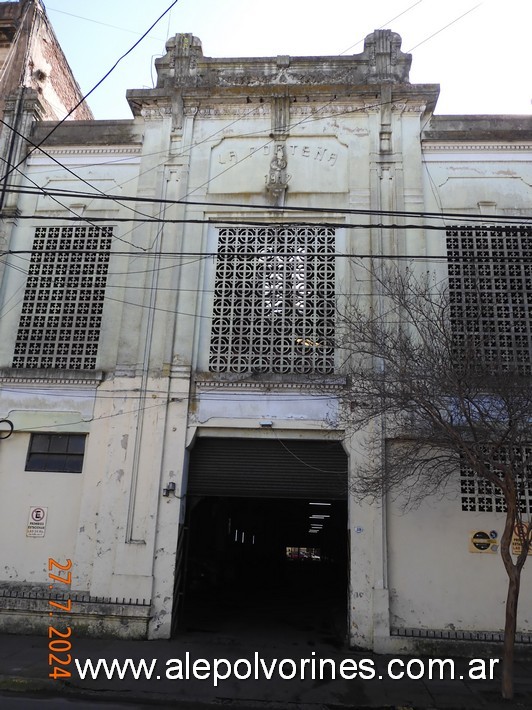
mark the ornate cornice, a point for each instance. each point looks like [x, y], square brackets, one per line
[156, 113]
[409, 108]
[51, 378]
[428, 146]
[231, 110]
[90, 150]
[268, 385]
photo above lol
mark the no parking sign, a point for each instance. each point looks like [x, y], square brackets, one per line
[37, 521]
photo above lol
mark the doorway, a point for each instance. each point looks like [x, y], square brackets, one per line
[266, 548]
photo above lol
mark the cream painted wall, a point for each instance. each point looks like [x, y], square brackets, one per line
[25, 559]
[461, 180]
[119, 178]
[436, 583]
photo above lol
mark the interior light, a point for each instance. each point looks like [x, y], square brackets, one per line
[314, 531]
[319, 517]
[320, 503]
[308, 342]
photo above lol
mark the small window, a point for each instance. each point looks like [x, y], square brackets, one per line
[56, 452]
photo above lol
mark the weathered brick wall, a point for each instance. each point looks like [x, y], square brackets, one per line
[30, 56]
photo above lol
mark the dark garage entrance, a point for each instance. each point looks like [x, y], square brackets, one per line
[266, 551]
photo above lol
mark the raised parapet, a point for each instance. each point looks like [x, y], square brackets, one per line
[184, 66]
[386, 62]
[179, 64]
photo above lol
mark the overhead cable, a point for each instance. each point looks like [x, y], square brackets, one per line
[489, 217]
[85, 97]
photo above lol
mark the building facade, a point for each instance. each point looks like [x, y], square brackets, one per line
[168, 317]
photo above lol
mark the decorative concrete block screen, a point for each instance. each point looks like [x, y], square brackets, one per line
[481, 496]
[274, 300]
[63, 301]
[490, 287]
[490, 284]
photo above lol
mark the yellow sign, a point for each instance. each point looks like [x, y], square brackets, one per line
[482, 541]
[516, 539]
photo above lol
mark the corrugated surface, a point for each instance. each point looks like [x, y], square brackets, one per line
[268, 468]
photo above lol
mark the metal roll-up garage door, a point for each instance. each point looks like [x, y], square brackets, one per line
[268, 468]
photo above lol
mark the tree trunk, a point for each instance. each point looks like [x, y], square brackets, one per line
[510, 625]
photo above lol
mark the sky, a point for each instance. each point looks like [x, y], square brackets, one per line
[477, 50]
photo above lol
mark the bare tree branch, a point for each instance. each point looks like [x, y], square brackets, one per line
[443, 405]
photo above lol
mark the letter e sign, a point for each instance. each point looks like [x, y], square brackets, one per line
[37, 521]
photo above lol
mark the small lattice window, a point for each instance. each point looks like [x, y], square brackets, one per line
[63, 302]
[274, 300]
[481, 496]
[56, 452]
[490, 286]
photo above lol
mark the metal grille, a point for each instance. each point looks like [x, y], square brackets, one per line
[455, 635]
[481, 496]
[266, 468]
[490, 285]
[63, 301]
[274, 300]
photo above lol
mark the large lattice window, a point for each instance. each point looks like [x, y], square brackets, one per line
[63, 301]
[274, 300]
[481, 496]
[490, 283]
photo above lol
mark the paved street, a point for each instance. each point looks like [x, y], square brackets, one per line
[23, 668]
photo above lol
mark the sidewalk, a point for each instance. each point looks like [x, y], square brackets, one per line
[24, 669]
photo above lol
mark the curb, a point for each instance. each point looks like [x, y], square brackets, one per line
[43, 687]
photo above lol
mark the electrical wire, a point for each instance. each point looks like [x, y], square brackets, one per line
[303, 120]
[76, 217]
[240, 118]
[128, 395]
[384, 24]
[27, 430]
[180, 154]
[505, 218]
[308, 465]
[425, 257]
[142, 173]
[97, 22]
[250, 223]
[85, 97]
[264, 255]
[98, 193]
[444, 28]
[485, 218]
[120, 200]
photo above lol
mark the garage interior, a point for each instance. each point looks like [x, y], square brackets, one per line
[266, 545]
